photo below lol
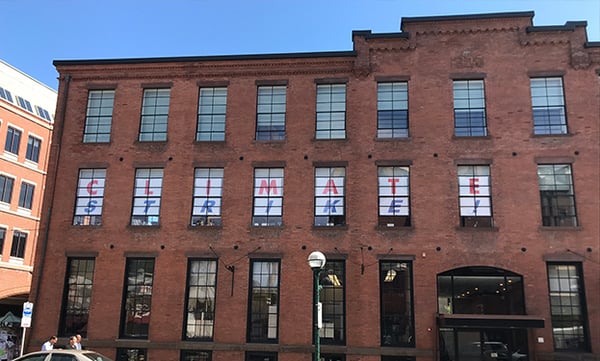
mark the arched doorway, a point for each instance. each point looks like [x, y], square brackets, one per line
[481, 315]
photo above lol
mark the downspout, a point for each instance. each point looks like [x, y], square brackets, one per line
[51, 175]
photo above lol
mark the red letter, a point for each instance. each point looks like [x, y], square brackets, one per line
[264, 187]
[473, 185]
[329, 187]
[89, 187]
[393, 181]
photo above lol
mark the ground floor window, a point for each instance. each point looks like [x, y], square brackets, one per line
[261, 356]
[483, 344]
[131, 354]
[194, 355]
[567, 307]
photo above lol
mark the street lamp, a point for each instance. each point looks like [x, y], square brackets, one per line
[316, 261]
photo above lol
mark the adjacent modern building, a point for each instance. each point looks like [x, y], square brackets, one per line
[26, 119]
[449, 172]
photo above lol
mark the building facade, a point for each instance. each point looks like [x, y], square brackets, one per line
[26, 117]
[448, 172]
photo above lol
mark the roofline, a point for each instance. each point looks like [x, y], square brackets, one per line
[519, 14]
[180, 59]
[367, 34]
[569, 26]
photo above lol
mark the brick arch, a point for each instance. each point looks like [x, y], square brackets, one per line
[15, 291]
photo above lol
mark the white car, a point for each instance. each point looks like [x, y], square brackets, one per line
[63, 355]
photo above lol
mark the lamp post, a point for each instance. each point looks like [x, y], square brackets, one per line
[316, 261]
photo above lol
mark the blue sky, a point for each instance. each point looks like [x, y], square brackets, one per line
[36, 32]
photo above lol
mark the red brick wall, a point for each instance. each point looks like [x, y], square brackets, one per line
[504, 54]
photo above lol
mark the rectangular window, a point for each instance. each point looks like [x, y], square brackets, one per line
[196, 355]
[392, 110]
[137, 300]
[77, 296]
[146, 197]
[131, 354]
[268, 197]
[397, 318]
[475, 196]
[567, 307]
[332, 295]
[201, 291]
[43, 113]
[260, 356]
[5, 94]
[17, 249]
[212, 109]
[208, 194]
[331, 111]
[6, 187]
[394, 196]
[26, 195]
[13, 140]
[155, 113]
[548, 105]
[98, 118]
[469, 108]
[557, 195]
[2, 238]
[330, 196]
[24, 103]
[33, 149]
[263, 312]
[270, 113]
[90, 197]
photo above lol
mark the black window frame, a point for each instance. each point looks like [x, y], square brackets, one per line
[392, 110]
[137, 293]
[77, 294]
[261, 296]
[34, 146]
[398, 219]
[19, 243]
[89, 197]
[328, 111]
[553, 213]
[212, 114]
[472, 171]
[153, 193]
[195, 305]
[26, 195]
[154, 115]
[331, 278]
[331, 218]
[577, 322]
[99, 116]
[271, 112]
[272, 175]
[13, 140]
[207, 196]
[6, 188]
[396, 288]
[470, 118]
[548, 110]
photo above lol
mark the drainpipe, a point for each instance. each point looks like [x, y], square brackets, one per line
[49, 199]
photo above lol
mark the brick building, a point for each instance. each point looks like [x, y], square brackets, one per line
[449, 173]
[26, 116]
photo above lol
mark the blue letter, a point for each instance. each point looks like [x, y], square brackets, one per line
[396, 203]
[91, 206]
[331, 205]
[148, 203]
[207, 207]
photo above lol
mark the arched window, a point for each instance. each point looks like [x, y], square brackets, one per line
[480, 290]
